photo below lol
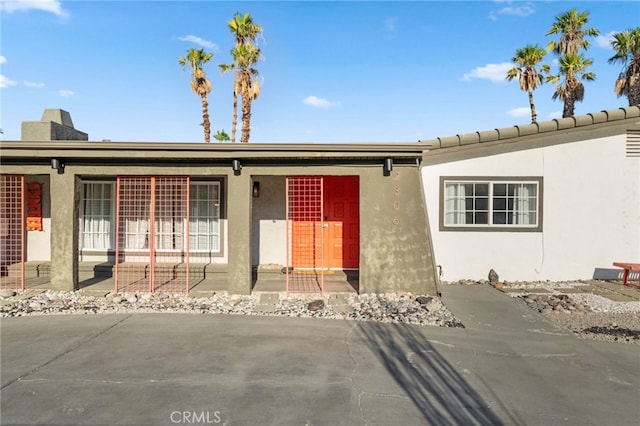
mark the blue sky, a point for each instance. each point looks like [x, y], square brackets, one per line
[333, 71]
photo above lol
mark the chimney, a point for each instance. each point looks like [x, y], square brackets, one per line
[55, 125]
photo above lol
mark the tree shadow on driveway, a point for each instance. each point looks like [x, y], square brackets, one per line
[441, 394]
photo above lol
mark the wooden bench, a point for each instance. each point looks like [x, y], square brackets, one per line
[628, 267]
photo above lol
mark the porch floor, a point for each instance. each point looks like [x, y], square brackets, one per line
[344, 282]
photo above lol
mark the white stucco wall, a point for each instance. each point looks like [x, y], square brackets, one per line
[591, 216]
[268, 236]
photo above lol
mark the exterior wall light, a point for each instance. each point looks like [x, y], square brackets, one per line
[387, 166]
[237, 167]
[256, 189]
[58, 165]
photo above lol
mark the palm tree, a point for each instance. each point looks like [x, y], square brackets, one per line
[221, 136]
[570, 26]
[627, 47]
[225, 68]
[574, 68]
[527, 59]
[200, 85]
[246, 56]
[245, 31]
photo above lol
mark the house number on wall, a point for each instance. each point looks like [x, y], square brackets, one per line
[396, 202]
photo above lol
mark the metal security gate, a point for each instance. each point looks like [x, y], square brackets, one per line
[305, 235]
[12, 232]
[152, 239]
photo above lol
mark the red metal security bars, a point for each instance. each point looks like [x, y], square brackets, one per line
[152, 253]
[133, 270]
[12, 232]
[305, 234]
[171, 234]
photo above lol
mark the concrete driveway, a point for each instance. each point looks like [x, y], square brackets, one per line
[508, 366]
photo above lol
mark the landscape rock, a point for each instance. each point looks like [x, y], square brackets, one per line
[423, 300]
[36, 306]
[315, 305]
[7, 293]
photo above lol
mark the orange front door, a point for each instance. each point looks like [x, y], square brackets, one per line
[325, 222]
[342, 219]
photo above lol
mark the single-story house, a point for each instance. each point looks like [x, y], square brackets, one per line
[555, 200]
[180, 216]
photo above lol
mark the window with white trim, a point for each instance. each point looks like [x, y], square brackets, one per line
[97, 221]
[491, 204]
[97, 216]
[204, 212]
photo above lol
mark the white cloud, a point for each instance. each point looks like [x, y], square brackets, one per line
[522, 9]
[32, 84]
[604, 40]
[6, 82]
[52, 6]
[315, 101]
[3, 59]
[66, 93]
[492, 72]
[199, 41]
[519, 112]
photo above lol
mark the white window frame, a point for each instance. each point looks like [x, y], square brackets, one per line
[213, 235]
[111, 221]
[215, 225]
[446, 201]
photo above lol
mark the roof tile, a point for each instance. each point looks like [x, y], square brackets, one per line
[565, 123]
[449, 141]
[489, 135]
[599, 117]
[632, 112]
[547, 126]
[584, 120]
[615, 114]
[507, 132]
[527, 129]
[469, 138]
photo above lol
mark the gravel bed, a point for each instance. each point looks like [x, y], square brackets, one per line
[394, 307]
[587, 315]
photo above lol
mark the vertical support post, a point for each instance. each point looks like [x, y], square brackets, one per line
[239, 225]
[65, 199]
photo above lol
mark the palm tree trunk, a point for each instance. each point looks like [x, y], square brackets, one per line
[534, 116]
[246, 119]
[234, 120]
[569, 106]
[633, 94]
[205, 120]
